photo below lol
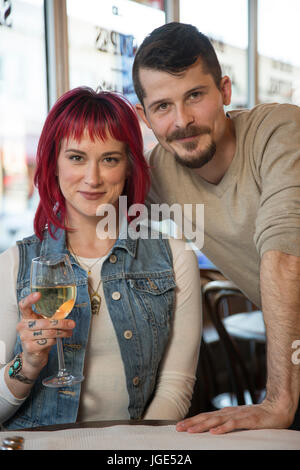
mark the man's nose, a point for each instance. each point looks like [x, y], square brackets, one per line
[183, 117]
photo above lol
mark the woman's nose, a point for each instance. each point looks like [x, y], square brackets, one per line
[93, 175]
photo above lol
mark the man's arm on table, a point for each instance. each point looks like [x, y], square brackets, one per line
[280, 291]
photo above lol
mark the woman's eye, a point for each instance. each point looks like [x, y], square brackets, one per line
[111, 160]
[76, 158]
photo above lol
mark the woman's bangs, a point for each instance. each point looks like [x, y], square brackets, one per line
[84, 120]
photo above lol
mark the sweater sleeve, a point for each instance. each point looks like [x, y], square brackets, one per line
[9, 404]
[177, 372]
[277, 153]
[9, 263]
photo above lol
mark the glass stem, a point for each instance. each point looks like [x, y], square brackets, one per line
[61, 359]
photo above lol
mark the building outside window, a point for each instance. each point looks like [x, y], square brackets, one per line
[23, 105]
[103, 38]
[278, 48]
[159, 4]
[225, 23]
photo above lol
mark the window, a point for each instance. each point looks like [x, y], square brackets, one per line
[151, 3]
[278, 47]
[103, 37]
[23, 104]
[225, 23]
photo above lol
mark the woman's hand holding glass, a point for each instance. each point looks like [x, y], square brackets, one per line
[53, 277]
[38, 334]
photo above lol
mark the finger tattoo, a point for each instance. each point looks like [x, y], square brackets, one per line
[54, 322]
[59, 332]
[42, 342]
[31, 323]
[37, 333]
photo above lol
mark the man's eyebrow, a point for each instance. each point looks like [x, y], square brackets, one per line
[188, 92]
[157, 102]
[196, 88]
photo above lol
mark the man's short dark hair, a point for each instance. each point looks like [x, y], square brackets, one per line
[173, 48]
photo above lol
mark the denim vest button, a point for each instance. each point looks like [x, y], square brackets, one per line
[136, 381]
[127, 334]
[116, 295]
[113, 259]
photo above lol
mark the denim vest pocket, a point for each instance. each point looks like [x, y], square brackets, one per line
[155, 297]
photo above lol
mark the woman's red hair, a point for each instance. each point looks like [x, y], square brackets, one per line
[100, 113]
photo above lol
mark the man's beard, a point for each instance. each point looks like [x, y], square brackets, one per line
[197, 160]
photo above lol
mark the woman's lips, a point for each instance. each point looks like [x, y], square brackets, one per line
[91, 196]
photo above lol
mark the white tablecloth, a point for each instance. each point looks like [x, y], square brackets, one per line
[124, 437]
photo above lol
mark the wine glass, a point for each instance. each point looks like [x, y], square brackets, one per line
[53, 277]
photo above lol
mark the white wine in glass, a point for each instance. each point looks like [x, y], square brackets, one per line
[53, 277]
[55, 302]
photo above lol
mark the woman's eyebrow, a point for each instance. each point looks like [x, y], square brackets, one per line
[113, 152]
[105, 154]
[75, 150]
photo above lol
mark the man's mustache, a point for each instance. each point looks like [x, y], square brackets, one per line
[188, 132]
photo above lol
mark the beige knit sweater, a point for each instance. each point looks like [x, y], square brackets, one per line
[256, 205]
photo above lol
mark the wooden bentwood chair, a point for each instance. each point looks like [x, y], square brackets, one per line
[231, 330]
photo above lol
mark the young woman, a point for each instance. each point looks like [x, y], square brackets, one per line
[135, 330]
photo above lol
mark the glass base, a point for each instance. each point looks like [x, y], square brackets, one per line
[62, 380]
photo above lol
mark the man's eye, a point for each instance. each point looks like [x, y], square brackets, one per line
[195, 95]
[162, 106]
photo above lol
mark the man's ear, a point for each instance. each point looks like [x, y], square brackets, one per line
[141, 112]
[226, 90]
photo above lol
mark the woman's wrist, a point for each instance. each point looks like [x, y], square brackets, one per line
[18, 370]
[20, 376]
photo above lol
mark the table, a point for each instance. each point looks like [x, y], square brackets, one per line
[150, 435]
[247, 326]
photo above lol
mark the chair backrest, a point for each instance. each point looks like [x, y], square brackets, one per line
[215, 294]
[227, 297]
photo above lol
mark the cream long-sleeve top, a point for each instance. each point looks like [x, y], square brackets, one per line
[104, 394]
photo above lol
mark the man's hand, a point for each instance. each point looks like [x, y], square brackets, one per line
[280, 275]
[266, 415]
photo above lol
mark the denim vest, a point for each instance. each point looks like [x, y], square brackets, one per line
[141, 273]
